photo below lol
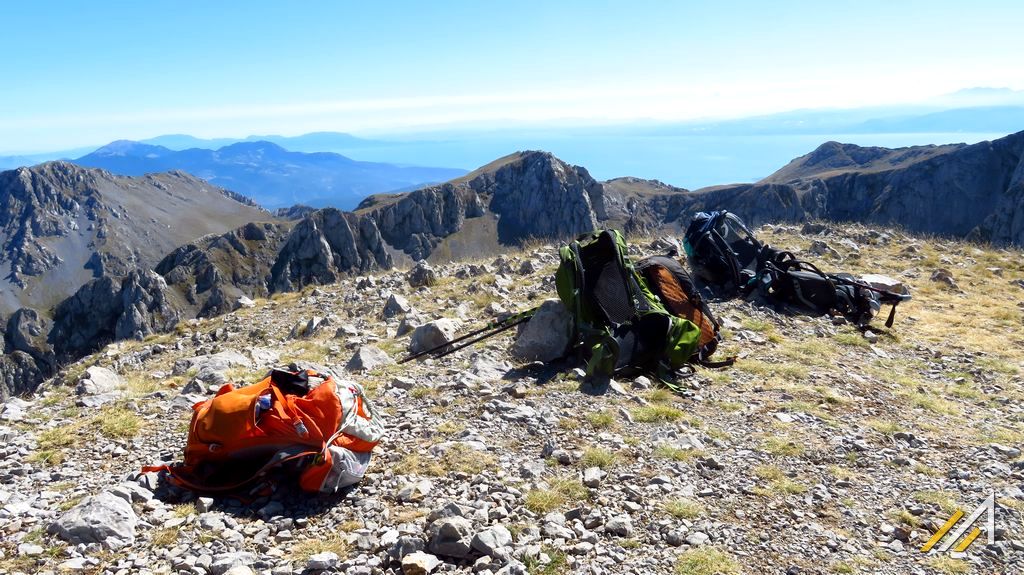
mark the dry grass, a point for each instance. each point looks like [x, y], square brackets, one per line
[706, 561]
[682, 508]
[457, 458]
[656, 414]
[601, 419]
[328, 542]
[598, 457]
[560, 491]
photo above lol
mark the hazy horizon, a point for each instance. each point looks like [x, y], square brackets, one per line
[111, 71]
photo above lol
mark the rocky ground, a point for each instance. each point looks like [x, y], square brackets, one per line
[823, 450]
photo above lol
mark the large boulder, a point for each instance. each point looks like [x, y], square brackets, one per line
[368, 358]
[19, 374]
[433, 334]
[422, 275]
[451, 537]
[98, 380]
[105, 519]
[26, 331]
[396, 305]
[546, 336]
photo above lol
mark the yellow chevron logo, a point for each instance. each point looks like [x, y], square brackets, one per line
[986, 508]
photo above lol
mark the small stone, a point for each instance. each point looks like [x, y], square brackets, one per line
[490, 540]
[204, 504]
[697, 538]
[419, 563]
[592, 476]
[414, 492]
[620, 525]
[30, 549]
[322, 561]
[396, 305]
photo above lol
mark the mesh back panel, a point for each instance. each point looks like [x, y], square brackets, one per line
[605, 284]
[610, 294]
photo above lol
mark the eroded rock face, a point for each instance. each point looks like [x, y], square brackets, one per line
[419, 220]
[214, 272]
[326, 245]
[974, 191]
[26, 331]
[19, 374]
[542, 197]
[533, 195]
[107, 309]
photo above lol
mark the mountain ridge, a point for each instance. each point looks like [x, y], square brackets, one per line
[974, 191]
[267, 172]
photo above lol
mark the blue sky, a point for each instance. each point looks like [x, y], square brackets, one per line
[81, 73]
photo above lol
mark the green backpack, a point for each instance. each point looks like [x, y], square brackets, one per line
[619, 322]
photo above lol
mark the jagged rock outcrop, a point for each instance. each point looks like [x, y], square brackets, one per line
[108, 309]
[542, 197]
[213, 272]
[417, 221]
[954, 190]
[19, 374]
[325, 245]
[528, 194]
[62, 225]
[26, 332]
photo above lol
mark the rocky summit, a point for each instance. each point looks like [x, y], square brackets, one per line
[822, 450]
[953, 190]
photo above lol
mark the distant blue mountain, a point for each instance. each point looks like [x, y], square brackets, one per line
[269, 174]
[312, 142]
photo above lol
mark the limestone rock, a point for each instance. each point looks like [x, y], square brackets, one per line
[433, 334]
[98, 380]
[422, 275]
[368, 358]
[104, 518]
[325, 245]
[545, 337]
[419, 563]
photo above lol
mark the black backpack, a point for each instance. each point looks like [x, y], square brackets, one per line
[723, 252]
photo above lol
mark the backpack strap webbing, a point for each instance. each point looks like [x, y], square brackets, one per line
[180, 475]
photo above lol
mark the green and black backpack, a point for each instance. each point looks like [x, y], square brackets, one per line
[620, 325]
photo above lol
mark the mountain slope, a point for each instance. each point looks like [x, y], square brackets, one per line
[522, 196]
[270, 174]
[819, 451]
[62, 225]
[958, 190]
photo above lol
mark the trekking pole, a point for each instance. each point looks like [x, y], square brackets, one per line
[498, 325]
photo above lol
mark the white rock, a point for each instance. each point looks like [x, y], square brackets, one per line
[433, 334]
[97, 380]
[368, 358]
[322, 561]
[419, 563]
[104, 518]
[545, 337]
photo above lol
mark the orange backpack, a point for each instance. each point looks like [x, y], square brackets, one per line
[328, 428]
